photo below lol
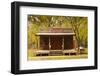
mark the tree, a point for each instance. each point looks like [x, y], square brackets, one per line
[79, 26]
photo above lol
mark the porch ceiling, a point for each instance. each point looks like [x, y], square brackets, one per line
[55, 33]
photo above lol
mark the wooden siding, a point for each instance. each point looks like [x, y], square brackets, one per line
[68, 42]
[56, 42]
[44, 42]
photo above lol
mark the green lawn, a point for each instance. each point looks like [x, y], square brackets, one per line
[58, 57]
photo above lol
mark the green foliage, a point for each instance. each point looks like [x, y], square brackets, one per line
[37, 22]
[79, 25]
[32, 39]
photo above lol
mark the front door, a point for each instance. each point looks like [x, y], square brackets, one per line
[56, 42]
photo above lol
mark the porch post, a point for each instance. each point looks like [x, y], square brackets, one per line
[63, 43]
[49, 43]
[38, 42]
[74, 40]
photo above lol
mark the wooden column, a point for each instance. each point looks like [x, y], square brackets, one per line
[63, 43]
[38, 42]
[49, 43]
[74, 42]
[75, 45]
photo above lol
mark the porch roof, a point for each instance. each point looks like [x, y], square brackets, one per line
[55, 33]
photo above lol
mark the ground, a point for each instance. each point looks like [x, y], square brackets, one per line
[31, 56]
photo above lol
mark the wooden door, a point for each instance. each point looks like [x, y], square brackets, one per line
[56, 42]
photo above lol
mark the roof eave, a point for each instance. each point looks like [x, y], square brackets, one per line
[55, 33]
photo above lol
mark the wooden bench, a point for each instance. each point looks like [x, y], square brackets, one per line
[42, 53]
[70, 52]
[56, 53]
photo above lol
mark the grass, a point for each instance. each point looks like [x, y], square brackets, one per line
[58, 57]
[85, 51]
[31, 56]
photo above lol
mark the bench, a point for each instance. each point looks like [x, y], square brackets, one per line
[42, 53]
[56, 53]
[70, 52]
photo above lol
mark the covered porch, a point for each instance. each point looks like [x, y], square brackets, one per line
[56, 42]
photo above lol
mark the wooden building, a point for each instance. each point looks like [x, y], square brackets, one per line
[56, 39]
